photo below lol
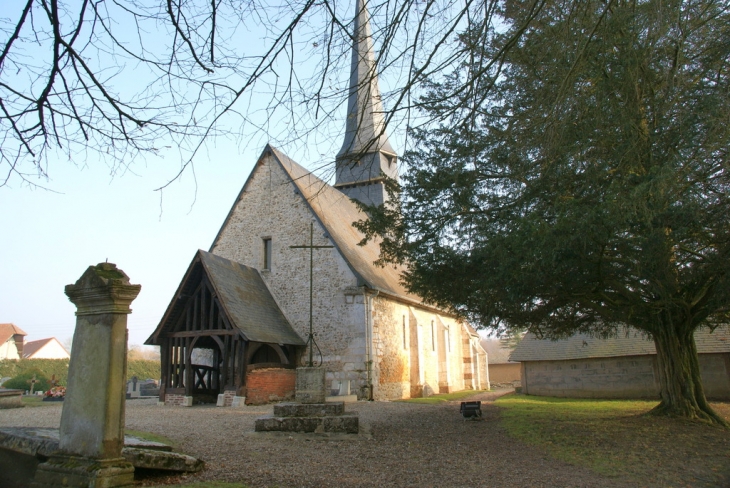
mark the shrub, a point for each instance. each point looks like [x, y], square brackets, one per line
[22, 381]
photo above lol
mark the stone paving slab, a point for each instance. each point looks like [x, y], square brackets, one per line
[141, 453]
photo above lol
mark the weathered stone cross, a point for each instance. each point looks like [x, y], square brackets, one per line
[311, 247]
[32, 382]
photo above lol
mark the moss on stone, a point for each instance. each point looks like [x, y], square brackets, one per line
[109, 274]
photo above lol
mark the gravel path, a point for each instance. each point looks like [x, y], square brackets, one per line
[405, 445]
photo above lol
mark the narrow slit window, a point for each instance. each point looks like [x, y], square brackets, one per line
[433, 337]
[267, 253]
[405, 344]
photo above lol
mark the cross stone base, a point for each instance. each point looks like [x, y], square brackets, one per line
[310, 385]
[62, 470]
[309, 418]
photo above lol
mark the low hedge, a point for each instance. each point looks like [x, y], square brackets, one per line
[12, 368]
[22, 381]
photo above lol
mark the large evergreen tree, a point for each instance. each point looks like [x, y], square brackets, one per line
[577, 179]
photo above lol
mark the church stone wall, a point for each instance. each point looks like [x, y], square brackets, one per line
[272, 208]
[391, 357]
[434, 361]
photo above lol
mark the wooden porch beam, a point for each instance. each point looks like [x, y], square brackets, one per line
[204, 333]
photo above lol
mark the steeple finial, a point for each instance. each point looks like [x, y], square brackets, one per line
[366, 156]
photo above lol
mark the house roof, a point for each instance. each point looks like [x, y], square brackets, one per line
[244, 298]
[9, 330]
[32, 347]
[630, 343]
[336, 212]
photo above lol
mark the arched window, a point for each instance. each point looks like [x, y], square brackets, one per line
[265, 354]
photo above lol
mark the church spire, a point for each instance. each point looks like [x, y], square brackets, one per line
[366, 157]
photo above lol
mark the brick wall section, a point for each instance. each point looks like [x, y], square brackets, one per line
[174, 400]
[270, 385]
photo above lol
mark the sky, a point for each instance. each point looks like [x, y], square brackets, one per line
[49, 238]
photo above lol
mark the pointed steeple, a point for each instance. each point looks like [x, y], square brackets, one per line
[366, 157]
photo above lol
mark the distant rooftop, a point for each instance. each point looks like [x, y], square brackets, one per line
[9, 330]
[32, 347]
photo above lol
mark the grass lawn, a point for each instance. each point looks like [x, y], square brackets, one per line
[446, 397]
[616, 438]
[37, 401]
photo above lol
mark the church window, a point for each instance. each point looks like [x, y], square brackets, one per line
[267, 253]
[433, 337]
[405, 344]
[448, 340]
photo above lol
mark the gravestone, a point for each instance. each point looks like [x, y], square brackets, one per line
[92, 419]
[132, 390]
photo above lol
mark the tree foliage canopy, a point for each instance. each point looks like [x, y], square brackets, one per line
[580, 183]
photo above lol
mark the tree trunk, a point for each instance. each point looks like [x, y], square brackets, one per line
[681, 391]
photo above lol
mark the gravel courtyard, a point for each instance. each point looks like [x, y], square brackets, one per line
[404, 445]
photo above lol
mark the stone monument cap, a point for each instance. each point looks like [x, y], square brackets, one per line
[103, 288]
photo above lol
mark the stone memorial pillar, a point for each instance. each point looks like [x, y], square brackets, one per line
[92, 420]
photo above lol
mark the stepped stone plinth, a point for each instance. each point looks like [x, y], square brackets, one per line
[309, 418]
[310, 413]
[309, 409]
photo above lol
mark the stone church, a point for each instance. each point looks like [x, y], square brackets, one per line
[247, 300]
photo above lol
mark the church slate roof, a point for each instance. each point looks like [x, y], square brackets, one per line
[243, 295]
[631, 343]
[336, 212]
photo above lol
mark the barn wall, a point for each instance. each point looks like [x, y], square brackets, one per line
[268, 385]
[715, 370]
[505, 372]
[618, 377]
[622, 377]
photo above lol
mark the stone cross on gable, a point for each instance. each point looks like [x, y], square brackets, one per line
[311, 247]
[32, 382]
